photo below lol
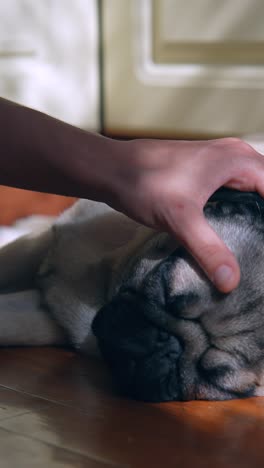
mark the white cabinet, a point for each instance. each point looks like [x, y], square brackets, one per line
[183, 67]
[169, 67]
[49, 57]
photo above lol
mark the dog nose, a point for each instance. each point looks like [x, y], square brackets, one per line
[142, 355]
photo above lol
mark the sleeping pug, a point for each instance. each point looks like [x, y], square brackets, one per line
[101, 282]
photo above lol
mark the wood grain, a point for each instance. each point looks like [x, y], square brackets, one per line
[65, 409]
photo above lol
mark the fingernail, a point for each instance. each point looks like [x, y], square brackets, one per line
[223, 277]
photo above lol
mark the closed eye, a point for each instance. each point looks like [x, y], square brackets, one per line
[179, 304]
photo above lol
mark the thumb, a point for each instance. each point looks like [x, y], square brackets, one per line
[214, 257]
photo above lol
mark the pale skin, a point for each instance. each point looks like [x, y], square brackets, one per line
[162, 184]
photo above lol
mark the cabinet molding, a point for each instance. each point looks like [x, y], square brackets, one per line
[156, 82]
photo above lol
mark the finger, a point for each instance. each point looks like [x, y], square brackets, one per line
[214, 257]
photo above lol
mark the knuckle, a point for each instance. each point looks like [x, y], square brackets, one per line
[232, 141]
[245, 147]
[235, 143]
[226, 141]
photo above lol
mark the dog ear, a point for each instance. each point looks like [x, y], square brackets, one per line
[20, 260]
[142, 357]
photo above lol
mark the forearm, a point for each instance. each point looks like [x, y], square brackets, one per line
[38, 152]
[162, 184]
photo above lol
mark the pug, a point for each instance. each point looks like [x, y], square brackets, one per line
[102, 283]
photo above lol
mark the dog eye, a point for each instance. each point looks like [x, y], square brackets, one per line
[180, 303]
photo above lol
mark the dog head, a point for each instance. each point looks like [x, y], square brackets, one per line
[168, 334]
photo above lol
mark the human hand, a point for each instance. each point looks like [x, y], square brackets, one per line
[165, 185]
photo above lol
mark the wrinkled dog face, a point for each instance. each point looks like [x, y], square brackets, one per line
[170, 335]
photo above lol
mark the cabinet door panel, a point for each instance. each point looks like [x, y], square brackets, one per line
[48, 57]
[182, 68]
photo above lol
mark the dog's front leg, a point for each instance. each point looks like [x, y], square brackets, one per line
[23, 321]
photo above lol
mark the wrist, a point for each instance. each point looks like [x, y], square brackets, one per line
[97, 166]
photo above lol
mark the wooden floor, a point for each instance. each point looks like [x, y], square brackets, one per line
[60, 410]
[17, 203]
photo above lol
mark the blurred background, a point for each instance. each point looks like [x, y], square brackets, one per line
[133, 68]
